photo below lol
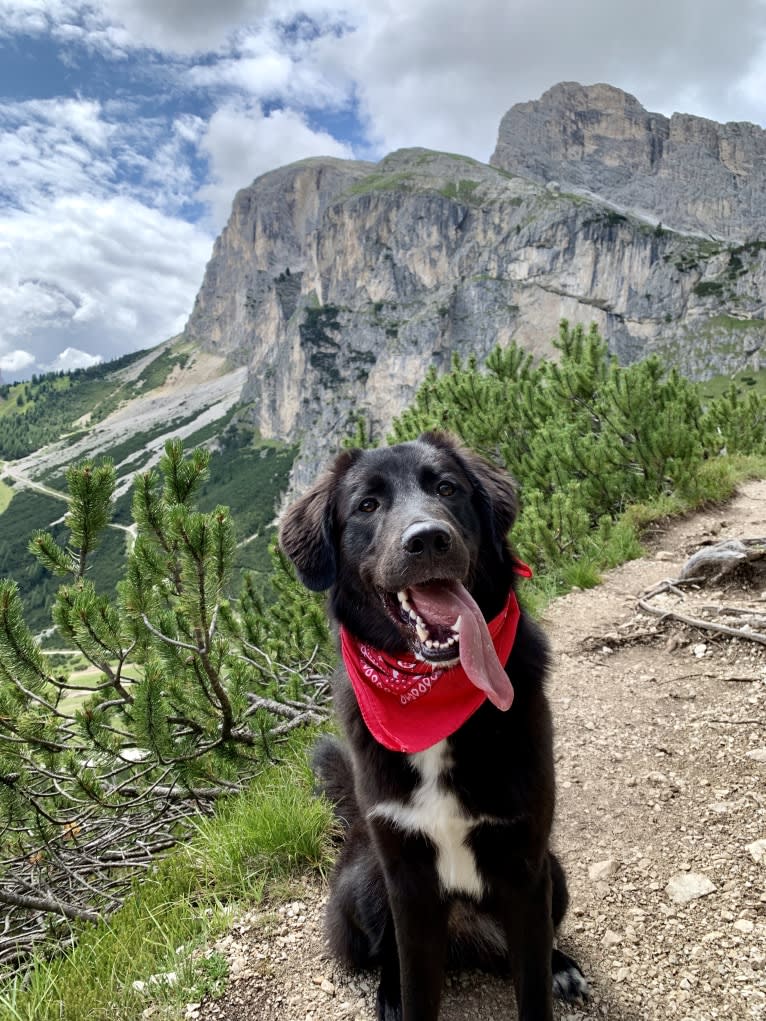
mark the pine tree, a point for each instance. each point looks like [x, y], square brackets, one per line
[194, 690]
[584, 436]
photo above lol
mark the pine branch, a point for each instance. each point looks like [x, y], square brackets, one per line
[48, 904]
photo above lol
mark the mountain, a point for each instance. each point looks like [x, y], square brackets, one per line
[691, 173]
[337, 284]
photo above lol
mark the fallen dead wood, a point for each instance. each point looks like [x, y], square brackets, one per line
[697, 622]
[709, 566]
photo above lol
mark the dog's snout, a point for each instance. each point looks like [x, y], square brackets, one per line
[427, 537]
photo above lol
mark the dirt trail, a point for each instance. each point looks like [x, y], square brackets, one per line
[661, 760]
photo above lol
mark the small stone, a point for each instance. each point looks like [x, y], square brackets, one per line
[757, 851]
[600, 871]
[744, 925]
[757, 754]
[686, 886]
[611, 938]
[237, 966]
[664, 555]
[699, 649]
[327, 987]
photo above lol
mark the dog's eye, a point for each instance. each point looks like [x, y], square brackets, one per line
[446, 489]
[368, 505]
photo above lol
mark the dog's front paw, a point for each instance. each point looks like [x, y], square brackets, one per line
[389, 1008]
[569, 983]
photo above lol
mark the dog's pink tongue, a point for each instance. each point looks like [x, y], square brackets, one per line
[443, 604]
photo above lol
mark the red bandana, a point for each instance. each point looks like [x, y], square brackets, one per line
[408, 704]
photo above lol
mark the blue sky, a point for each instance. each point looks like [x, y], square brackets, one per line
[127, 126]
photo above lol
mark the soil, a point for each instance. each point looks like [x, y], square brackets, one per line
[661, 769]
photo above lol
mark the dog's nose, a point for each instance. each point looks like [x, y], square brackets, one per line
[426, 537]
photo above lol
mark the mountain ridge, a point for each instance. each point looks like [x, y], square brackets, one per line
[692, 173]
[380, 271]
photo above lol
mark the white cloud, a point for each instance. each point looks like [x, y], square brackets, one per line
[52, 145]
[438, 74]
[265, 63]
[242, 142]
[76, 147]
[33, 16]
[183, 26]
[72, 358]
[265, 74]
[109, 273]
[16, 361]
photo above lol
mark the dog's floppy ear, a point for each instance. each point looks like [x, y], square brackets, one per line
[307, 527]
[494, 489]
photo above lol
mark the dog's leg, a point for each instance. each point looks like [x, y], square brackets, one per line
[415, 944]
[528, 921]
[559, 892]
[389, 998]
[334, 772]
[569, 983]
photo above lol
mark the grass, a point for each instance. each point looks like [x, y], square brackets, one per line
[257, 839]
[381, 182]
[88, 677]
[6, 495]
[747, 379]
[460, 191]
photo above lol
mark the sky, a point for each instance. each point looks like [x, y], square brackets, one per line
[127, 126]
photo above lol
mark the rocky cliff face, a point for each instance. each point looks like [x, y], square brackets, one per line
[692, 174]
[338, 284]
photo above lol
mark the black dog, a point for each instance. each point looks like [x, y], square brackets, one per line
[447, 809]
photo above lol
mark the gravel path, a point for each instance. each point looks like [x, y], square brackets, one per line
[661, 759]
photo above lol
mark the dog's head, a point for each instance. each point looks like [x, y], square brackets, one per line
[392, 532]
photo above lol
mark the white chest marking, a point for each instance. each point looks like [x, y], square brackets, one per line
[437, 813]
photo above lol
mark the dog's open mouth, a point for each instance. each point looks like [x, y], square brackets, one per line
[434, 636]
[443, 624]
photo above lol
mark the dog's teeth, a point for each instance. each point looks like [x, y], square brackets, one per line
[429, 643]
[456, 625]
[451, 640]
[421, 631]
[404, 602]
[413, 615]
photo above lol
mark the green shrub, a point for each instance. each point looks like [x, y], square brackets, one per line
[587, 438]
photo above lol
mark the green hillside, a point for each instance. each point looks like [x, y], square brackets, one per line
[38, 411]
[247, 474]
